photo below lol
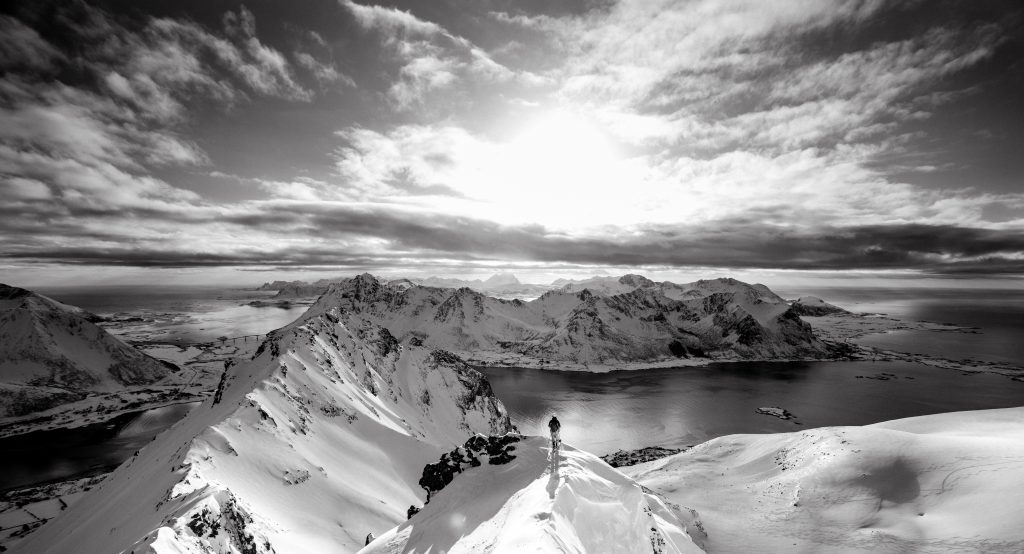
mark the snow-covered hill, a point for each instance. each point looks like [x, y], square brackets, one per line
[627, 320]
[574, 503]
[932, 484]
[51, 353]
[312, 444]
[814, 306]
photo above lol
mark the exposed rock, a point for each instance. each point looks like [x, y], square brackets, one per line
[496, 450]
[624, 458]
[775, 411]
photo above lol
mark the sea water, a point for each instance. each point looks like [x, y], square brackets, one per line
[684, 406]
[179, 314]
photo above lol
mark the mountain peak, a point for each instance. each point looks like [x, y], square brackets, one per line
[543, 504]
[502, 279]
[635, 280]
[52, 354]
[7, 292]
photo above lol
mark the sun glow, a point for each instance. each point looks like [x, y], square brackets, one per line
[559, 161]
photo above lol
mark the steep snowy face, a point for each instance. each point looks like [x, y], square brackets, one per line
[526, 499]
[938, 483]
[312, 444]
[50, 353]
[631, 319]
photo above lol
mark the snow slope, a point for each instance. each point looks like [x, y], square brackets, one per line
[576, 504]
[316, 441]
[940, 483]
[51, 353]
[629, 320]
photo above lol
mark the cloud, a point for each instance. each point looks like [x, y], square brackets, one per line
[21, 46]
[541, 178]
[707, 77]
[431, 60]
[360, 235]
[325, 73]
[78, 154]
[391, 20]
[725, 134]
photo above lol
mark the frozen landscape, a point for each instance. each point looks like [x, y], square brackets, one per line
[364, 391]
[462, 276]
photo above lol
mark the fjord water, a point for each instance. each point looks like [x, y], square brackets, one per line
[61, 454]
[677, 407]
[683, 406]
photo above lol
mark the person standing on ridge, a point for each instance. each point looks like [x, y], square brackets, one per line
[554, 426]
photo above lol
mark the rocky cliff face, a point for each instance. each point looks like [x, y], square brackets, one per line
[315, 442]
[51, 353]
[631, 319]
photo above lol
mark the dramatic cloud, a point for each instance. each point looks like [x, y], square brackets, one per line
[818, 135]
[73, 151]
[431, 60]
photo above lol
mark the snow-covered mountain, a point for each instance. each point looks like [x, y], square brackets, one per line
[523, 500]
[501, 285]
[312, 444]
[273, 285]
[300, 289]
[52, 353]
[814, 306]
[501, 280]
[937, 483]
[611, 321]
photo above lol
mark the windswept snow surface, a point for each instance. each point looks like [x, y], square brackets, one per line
[939, 483]
[317, 441]
[574, 503]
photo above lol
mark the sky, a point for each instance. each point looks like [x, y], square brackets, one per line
[201, 141]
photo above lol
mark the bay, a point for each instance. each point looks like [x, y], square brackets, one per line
[677, 407]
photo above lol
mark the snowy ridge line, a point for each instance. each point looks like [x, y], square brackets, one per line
[529, 498]
[317, 440]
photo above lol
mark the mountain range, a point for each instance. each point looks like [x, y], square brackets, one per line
[501, 285]
[349, 432]
[592, 325]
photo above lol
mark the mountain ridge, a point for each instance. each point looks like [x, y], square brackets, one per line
[306, 447]
[530, 499]
[605, 324]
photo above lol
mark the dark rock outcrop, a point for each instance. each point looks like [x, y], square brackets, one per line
[496, 450]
